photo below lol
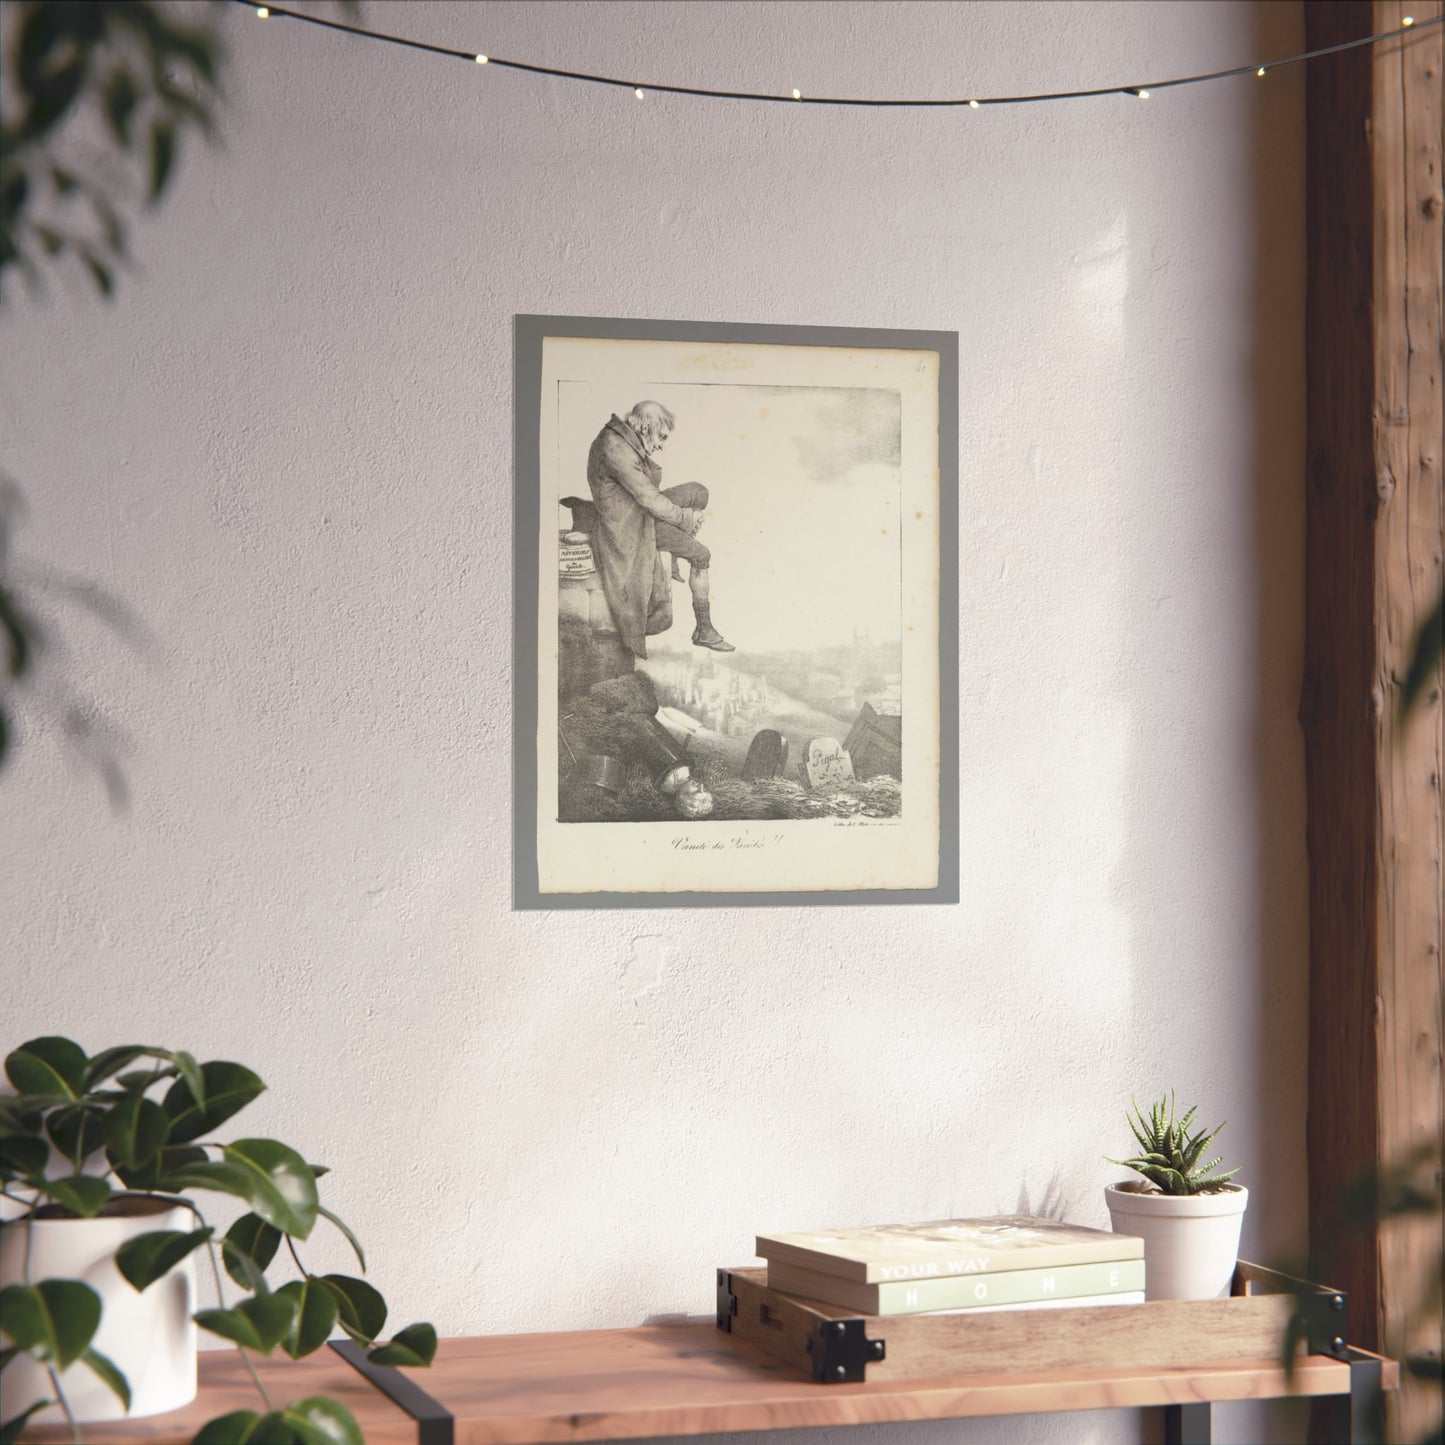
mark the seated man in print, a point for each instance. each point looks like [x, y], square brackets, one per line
[637, 520]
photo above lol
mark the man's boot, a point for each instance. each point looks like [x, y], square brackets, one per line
[704, 634]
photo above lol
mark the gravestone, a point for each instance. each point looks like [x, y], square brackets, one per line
[767, 756]
[825, 764]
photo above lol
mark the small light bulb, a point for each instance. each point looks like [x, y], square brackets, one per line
[482, 59]
[1260, 72]
[1408, 21]
[973, 105]
[797, 95]
[638, 92]
[262, 12]
[1142, 94]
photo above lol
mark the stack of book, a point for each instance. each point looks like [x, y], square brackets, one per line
[1013, 1261]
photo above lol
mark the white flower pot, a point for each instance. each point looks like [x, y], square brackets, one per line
[1191, 1241]
[149, 1336]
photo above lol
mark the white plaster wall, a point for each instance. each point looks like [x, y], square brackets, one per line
[287, 447]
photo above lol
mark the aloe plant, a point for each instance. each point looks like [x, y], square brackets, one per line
[1170, 1153]
[82, 1131]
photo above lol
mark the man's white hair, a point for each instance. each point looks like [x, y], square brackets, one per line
[647, 416]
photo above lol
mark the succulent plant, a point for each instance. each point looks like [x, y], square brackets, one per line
[1170, 1154]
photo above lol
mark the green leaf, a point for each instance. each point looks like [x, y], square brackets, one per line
[259, 1323]
[149, 1257]
[232, 1429]
[316, 1311]
[136, 1130]
[137, 1081]
[20, 1157]
[1426, 1367]
[282, 1188]
[111, 1061]
[99, 273]
[49, 1065]
[121, 97]
[83, 1194]
[76, 1131]
[415, 1345]
[163, 156]
[106, 1368]
[155, 1174]
[10, 1431]
[226, 1429]
[195, 1076]
[206, 1174]
[227, 1089]
[351, 1239]
[1428, 650]
[55, 1320]
[361, 1309]
[19, 1116]
[248, 1248]
[319, 1421]
[245, 1427]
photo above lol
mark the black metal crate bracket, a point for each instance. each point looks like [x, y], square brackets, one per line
[727, 1301]
[841, 1351]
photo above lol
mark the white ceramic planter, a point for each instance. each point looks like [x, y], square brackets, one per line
[150, 1336]
[1191, 1241]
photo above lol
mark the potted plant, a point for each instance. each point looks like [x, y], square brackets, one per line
[102, 1230]
[1187, 1213]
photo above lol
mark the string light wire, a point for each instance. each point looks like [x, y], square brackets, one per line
[1143, 90]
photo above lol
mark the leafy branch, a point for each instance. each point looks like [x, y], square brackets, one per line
[146, 75]
[94, 1119]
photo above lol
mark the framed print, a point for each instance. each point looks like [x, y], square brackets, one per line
[736, 627]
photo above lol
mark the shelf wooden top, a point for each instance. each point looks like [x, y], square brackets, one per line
[689, 1379]
[226, 1386]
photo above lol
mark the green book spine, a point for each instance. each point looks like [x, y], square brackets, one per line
[1015, 1286]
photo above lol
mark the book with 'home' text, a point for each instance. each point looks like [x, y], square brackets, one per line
[962, 1292]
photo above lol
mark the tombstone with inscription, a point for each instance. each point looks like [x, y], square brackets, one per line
[767, 756]
[825, 764]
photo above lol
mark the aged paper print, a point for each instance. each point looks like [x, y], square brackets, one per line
[738, 618]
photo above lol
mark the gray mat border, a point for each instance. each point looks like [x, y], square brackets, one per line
[530, 331]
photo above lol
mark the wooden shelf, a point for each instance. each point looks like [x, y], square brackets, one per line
[690, 1379]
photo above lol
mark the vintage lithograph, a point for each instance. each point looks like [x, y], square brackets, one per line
[737, 585]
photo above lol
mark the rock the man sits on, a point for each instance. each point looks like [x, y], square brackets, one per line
[636, 517]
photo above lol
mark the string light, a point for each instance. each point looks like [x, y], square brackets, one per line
[591, 78]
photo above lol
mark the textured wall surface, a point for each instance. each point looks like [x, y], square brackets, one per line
[287, 447]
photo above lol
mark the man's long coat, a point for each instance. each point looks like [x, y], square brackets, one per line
[626, 486]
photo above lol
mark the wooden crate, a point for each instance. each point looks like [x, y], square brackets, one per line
[836, 1346]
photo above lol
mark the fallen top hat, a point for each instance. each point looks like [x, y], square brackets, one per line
[584, 514]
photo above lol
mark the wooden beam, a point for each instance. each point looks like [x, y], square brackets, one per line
[1374, 544]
